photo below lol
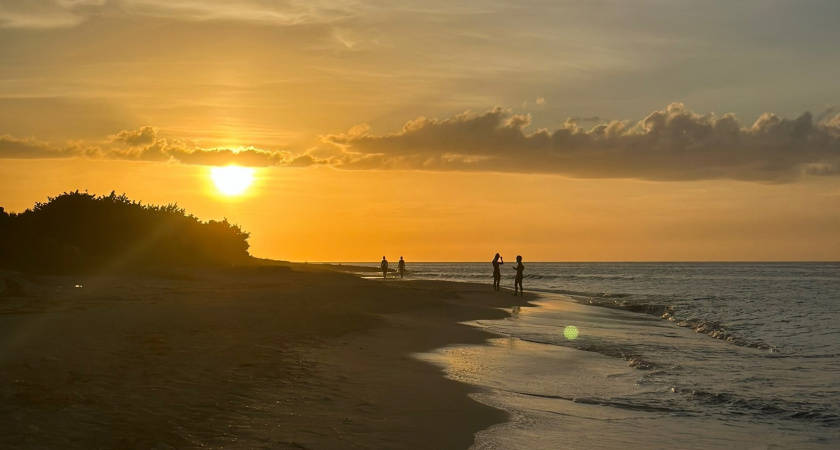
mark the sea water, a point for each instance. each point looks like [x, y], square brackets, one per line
[677, 355]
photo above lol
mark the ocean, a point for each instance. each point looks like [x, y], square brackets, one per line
[657, 355]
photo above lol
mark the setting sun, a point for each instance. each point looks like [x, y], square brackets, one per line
[232, 180]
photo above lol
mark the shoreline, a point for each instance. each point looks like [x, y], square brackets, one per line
[293, 356]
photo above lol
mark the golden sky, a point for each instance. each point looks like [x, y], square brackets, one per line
[643, 130]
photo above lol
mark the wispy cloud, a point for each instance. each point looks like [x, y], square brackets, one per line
[68, 13]
[289, 12]
[46, 13]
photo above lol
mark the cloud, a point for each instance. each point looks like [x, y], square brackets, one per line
[46, 13]
[30, 148]
[13, 148]
[671, 144]
[144, 144]
[289, 12]
[145, 135]
[69, 13]
[250, 157]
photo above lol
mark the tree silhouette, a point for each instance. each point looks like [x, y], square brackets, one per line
[77, 231]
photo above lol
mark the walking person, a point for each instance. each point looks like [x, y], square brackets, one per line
[401, 266]
[517, 282]
[497, 273]
[384, 266]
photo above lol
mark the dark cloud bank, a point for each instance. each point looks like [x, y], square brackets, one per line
[673, 144]
[669, 145]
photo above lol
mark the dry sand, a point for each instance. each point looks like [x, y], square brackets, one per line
[260, 357]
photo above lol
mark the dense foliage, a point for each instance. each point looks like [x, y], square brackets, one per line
[77, 231]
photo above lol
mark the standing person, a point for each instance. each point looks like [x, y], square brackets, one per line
[517, 282]
[384, 266]
[401, 266]
[497, 274]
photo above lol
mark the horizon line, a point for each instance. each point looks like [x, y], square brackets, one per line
[816, 261]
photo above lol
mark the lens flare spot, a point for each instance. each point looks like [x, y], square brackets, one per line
[570, 332]
[232, 180]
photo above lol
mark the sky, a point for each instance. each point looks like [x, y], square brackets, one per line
[559, 130]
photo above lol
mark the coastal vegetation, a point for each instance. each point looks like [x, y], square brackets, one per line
[78, 232]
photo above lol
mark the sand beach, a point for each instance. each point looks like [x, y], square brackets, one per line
[291, 356]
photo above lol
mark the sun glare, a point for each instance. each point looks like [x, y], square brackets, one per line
[232, 180]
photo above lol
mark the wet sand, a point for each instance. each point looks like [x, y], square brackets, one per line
[260, 357]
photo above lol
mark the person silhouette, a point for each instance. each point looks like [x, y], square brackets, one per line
[384, 266]
[401, 266]
[517, 282]
[497, 273]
